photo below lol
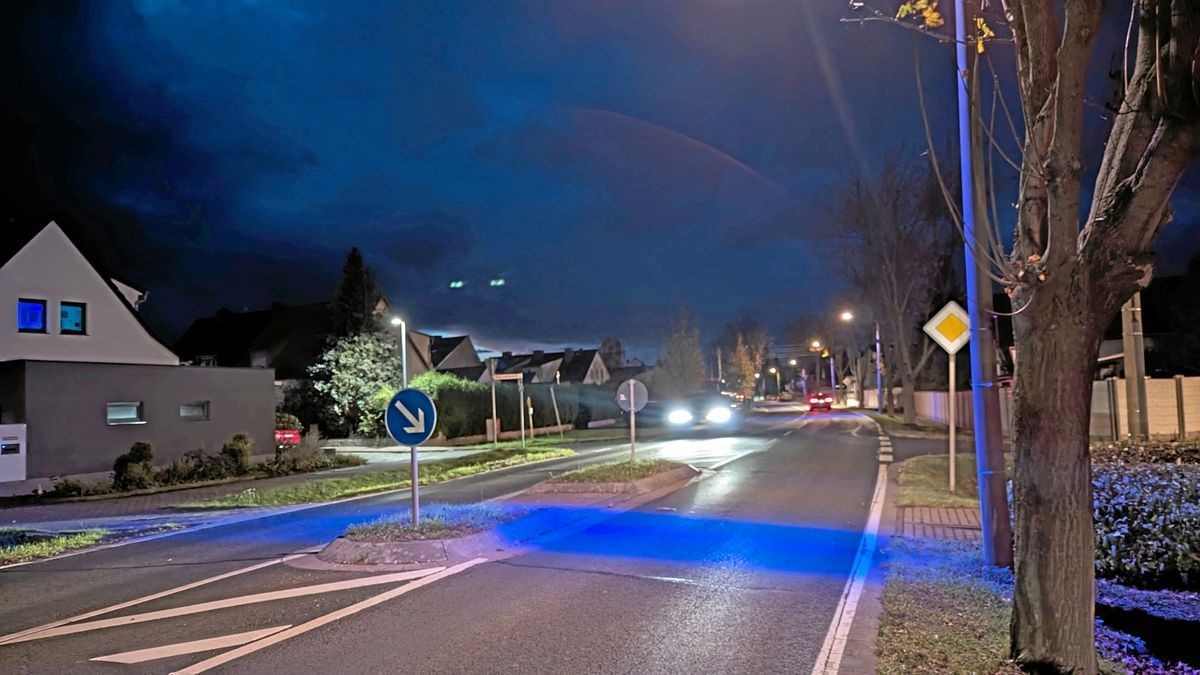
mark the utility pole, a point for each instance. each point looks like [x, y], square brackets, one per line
[720, 375]
[985, 397]
[1135, 368]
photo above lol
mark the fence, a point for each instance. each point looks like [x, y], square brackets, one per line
[1173, 407]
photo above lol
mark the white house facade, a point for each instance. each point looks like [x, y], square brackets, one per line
[58, 307]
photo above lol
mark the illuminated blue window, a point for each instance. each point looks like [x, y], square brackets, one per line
[31, 316]
[72, 318]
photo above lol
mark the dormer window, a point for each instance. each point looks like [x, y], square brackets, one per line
[72, 318]
[31, 315]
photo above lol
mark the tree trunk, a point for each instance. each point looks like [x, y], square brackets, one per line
[908, 398]
[1053, 619]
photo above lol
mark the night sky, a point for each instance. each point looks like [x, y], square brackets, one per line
[610, 160]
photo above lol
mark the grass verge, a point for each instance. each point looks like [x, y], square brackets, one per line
[326, 489]
[925, 481]
[896, 424]
[944, 611]
[21, 546]
[438, 521]
[617, 472]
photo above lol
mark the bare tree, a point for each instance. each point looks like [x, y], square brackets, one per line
[896, 240]
[1068, 276]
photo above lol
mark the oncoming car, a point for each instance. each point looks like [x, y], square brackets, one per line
[702, 410]
[820, 401]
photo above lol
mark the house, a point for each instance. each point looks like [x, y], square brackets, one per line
[82, 377]
[570, 366]
[291, 339]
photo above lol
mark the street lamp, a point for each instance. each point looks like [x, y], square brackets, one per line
[847, 316]
[778, 388]
[397, 321]
[792, 362]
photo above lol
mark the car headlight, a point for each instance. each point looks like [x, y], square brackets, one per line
[719, 415]
[679, 416]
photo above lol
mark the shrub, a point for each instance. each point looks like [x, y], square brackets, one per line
[196, 466]
[1185, 452]
[285, 420]
[238, 450]
[132, 470]
[69, 487]
[1148, 524]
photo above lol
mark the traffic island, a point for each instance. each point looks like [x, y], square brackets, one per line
[451, 533]
[630, 477]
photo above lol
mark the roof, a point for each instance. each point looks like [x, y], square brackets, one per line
[576, 369]
[441, 347]
[472, 373]
[293, 337]
[17, 235]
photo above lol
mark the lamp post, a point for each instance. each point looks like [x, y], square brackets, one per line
[815, 347]
[778, 389]
[397, 321]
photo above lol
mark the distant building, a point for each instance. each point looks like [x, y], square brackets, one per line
[570, 366]
[82, 377]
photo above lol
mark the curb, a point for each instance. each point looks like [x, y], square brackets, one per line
[637, 487]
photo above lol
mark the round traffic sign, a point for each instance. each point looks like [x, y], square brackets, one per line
[632, 395]
[411, 417]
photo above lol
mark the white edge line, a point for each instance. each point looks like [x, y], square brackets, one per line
[829, 659]
[221, 659]
[236, 601]
[190, 647]
[146, 598]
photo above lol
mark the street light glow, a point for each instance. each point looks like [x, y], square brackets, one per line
[757, 375]
[847, 316]
[772, 370]
[792, 362]
[456, 284]
[396, 321]
[816, 344]
[496, 282]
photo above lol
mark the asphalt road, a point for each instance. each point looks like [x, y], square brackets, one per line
[739, 572]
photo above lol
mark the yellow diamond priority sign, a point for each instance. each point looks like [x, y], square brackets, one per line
[950, 327]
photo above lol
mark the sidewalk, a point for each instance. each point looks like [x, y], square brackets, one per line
[960, 524]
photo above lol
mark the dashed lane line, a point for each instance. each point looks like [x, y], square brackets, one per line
[193, 647]
[360, 582]
[222, 659]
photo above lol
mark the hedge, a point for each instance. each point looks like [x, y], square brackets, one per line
[1148, 524]
[465, 406]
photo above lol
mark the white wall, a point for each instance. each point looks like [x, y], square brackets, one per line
[50, 268]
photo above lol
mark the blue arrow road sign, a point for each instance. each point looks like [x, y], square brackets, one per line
[411, 417]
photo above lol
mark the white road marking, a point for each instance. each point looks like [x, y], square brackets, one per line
[222, 659]
[238, 601]
[13, 637]
[829, 659]
[193, 647]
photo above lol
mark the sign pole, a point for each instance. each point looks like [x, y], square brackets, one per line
[411, 418]
[953, 422]
[557, 417]
[521, 408]
[416, 499]
[632, 423]
[495, 426]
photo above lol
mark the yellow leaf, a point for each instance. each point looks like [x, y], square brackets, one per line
[933, 18]
[982, 32]
[904, 10]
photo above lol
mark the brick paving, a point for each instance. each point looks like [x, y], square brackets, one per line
[939, 523]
